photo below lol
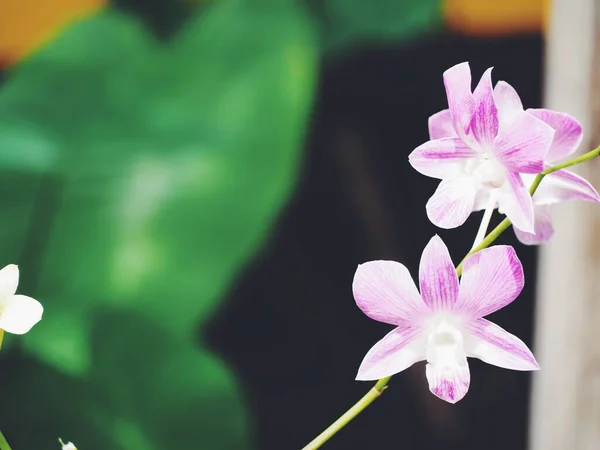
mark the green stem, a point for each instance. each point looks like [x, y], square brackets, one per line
[4, 443]
[380, 386]
[354, 411]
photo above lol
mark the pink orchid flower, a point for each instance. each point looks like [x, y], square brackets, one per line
[443, 324]
[476, 146]
[559, 186]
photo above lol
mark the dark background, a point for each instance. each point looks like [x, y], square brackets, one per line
[291, 327]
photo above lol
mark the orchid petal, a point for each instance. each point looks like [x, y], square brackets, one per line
[441, 158]
[508, 103]
[385, 291]
[484, 122]
[517, 203]
[491, 279]
[437, 276]
[543, 227]
[568, 133]
[18, 313]
[440, 125]
[494, 345]
[9, 280]
[564, 185]
[482, 198]
[449, 383]
[461, 102]
[397, 351]
[452, 202]
[522, 145]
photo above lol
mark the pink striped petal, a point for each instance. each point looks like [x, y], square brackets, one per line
[517, 203]
[564, 185]
[437, 276]
[522, 145]
[441, 158]
[543, 227]
[493, 345]
[484, 123]
[568, 133]
[440, 125]
[449, 383]
[452, 202]
[491, 279]
[385, 291]
[461, 102]
[508, 103]
[397, 351]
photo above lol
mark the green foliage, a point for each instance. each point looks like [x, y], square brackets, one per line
[352, 22]
[145, 175]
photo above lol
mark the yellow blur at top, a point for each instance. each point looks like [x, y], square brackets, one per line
[496, 17]
[25, 25]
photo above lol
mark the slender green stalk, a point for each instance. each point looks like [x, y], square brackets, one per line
[380, 386]
[355, 410]
[3, 443]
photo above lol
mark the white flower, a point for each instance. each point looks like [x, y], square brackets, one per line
[68, 446]
[18, 313]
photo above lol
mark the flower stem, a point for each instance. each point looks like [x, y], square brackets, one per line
[4, 443]
[336, 426]
[380, 386]
[485, 221]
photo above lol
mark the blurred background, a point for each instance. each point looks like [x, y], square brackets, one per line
[188, 187]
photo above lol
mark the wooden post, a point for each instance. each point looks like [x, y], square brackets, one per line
[565, 413]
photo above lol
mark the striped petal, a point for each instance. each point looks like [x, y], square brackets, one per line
[437, 276]
[385, 291]
[564, 185]
[493, 345]
[517, 203]
[508, 103]
[484, 122]
[440, 125]
[461, 102]
[397, 351]
[491, 279]
[452, 202]
[441, 158]
[522, 145]
[449, 383]
[543, 229]
[568, 133]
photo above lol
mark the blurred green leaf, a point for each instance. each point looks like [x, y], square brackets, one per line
[170, 163]
[174, 162]
[171, 396]
[352, 22]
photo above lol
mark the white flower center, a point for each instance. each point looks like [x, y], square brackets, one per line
[486, 171]
[445, 346]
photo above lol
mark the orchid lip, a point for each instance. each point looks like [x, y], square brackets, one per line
[486, 171]
[445, 342]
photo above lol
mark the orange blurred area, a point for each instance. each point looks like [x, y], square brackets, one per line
[496, 17]
[27, 24]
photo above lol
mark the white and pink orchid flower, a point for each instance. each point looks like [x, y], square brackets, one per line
[443, 324]
[476, 146]
[18, 313]
[559, 186]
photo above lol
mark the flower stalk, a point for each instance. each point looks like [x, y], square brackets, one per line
[381, 385]
[4, 443]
